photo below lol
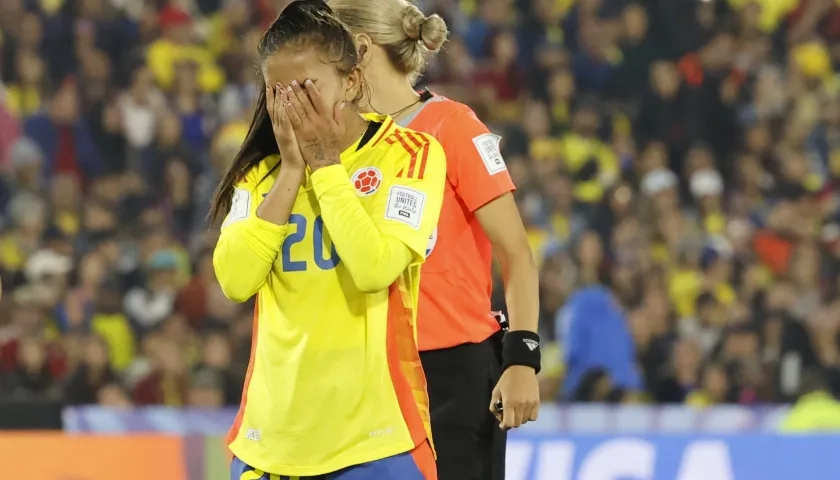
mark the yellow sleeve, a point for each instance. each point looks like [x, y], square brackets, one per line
[377, 245]
[248, 245]
[159, 58]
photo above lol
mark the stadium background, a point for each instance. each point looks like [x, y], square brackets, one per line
[684, 154]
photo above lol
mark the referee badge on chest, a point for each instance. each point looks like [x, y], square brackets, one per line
[367, 180]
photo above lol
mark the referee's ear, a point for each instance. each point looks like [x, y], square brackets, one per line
[364, 45]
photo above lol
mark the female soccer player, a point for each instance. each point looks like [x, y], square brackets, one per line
[456, 333]
[328, 218]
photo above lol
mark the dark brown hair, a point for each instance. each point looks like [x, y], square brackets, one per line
[302, 24]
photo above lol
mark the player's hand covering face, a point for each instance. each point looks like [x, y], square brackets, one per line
[317, 125]
[315, 112]
[276, 98]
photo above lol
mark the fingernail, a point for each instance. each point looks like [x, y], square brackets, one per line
[289, 89]
[295, 83]
[342, 105]
[308, 82]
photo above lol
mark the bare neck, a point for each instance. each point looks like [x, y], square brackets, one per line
[391, 93]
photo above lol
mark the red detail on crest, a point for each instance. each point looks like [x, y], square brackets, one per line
[367, 180]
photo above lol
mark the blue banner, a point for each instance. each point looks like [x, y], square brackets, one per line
[673, 457]
[567, 419]
[584, 442]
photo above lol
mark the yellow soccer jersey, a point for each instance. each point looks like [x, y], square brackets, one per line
[335, 378]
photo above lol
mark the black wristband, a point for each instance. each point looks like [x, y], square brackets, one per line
[521, 347]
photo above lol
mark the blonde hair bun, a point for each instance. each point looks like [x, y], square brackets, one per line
[431, 31]
[398, 26]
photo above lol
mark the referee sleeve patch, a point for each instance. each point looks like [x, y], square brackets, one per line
[405, 205]
[488, 149]
[240, 206]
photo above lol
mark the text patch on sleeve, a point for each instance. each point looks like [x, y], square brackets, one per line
[240, 205]
[405, 205]
[488, 148]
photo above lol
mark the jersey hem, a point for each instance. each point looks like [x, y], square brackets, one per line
[459, 342]
[312, 471]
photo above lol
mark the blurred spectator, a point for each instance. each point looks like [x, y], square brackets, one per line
[177, 47]
[149, 304]
[64, 136]
[32, 377]
[91, 375]
[167, 382]
[596, 337]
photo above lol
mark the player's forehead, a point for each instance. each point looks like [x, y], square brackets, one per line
[297, 64]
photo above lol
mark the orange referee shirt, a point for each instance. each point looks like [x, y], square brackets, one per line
[456, 280]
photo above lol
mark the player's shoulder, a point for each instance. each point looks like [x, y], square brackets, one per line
[403, 152]
[391, 134]
[251, 178]
[401, 141]
[442, 116]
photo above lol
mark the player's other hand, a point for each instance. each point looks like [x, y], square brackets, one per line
[519, 393]
[275, 102]
[317, 125]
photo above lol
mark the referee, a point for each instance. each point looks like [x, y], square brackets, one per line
[470, 364]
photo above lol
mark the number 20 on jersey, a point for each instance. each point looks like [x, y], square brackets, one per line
[321, 260]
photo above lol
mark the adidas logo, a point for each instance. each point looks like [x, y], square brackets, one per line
[253, 434]
[532, 344]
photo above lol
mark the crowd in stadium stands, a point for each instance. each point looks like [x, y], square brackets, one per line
[677, 164]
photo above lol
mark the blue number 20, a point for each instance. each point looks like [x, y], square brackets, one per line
[300, 222]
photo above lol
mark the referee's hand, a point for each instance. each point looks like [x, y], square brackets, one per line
[519, 394]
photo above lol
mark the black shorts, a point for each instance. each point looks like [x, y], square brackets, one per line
[468, 441]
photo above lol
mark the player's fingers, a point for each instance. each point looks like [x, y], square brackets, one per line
[291, 99]
[280, 99]
[304, 105]
[291, 113]
[283, 121]
[281, 115]
[315, 97]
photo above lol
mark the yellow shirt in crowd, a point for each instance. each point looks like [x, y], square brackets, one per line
[163, 56]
